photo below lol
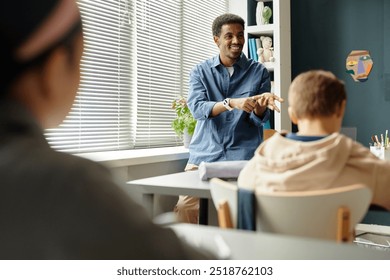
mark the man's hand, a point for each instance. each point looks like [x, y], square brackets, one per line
[257, 103]
[246, 104]
[267, 99]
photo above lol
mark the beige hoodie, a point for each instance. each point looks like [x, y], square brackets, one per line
[282, 164]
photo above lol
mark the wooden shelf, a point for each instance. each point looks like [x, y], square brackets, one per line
[265, 29]
[270, 66]
[280, 31]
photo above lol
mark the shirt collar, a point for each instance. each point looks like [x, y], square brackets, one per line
[242, 60]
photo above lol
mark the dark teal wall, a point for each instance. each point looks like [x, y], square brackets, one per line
[324, 32]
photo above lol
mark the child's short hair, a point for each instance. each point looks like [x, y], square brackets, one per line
[316, 93]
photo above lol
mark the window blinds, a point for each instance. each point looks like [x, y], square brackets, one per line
[198, 42]
[158, 71]
[137, 57]
[100, 117]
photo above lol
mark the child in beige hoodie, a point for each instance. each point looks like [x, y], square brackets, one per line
[317, 157]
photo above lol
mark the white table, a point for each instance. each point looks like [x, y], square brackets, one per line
[182, 183]
[246, 245]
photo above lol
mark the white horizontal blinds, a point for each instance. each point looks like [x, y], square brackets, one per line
[158, 62]
[172, 36]
[100, 117]
[136, 61]
[198, 43]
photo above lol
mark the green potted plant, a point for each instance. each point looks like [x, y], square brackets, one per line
[184, 123]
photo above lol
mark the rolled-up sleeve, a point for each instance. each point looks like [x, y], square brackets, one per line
[198, 100]
[258, 121]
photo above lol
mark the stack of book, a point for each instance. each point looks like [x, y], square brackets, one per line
[254, 44]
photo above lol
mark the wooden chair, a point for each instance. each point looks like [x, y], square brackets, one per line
[267, 133]
[225, 198]
[327, 214]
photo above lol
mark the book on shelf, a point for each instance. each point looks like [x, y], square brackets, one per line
[250, 48]
[253, 49]
[258, 43]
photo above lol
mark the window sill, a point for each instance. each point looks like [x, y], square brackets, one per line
[136, 157]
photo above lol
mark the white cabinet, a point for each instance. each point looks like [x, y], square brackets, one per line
[280, 31]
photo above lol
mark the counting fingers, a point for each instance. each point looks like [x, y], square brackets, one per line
[272, 106]
[268, 100]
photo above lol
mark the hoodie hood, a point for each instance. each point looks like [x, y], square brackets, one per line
[286, 163]
[282, 164]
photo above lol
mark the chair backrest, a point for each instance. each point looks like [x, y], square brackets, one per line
[267, 133]
[327, 214]
[224, 196]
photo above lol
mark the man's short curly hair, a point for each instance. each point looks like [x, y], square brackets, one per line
[226, 19]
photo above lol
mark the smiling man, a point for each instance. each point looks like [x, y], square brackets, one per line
[228, 96]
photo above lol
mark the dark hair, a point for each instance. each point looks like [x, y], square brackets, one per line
[226, 19]
[15, 31]
[15, 68]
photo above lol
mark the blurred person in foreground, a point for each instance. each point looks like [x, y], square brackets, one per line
[54, 205]
[317, 156]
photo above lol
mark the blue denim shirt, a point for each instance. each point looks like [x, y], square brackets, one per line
[232, 135]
